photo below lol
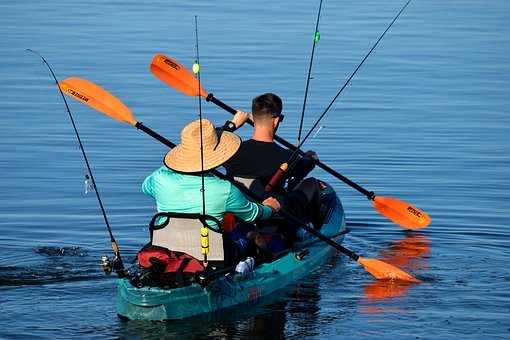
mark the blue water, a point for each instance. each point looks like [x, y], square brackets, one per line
[426, 120]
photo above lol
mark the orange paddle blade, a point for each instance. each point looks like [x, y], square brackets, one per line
[402, 213]
[385, 271]
[175, 75]
[97, 98]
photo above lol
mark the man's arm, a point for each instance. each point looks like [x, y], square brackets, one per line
[237, 121]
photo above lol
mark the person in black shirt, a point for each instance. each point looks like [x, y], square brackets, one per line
[260, 157]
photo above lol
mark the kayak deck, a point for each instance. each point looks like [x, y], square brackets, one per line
[153, 303]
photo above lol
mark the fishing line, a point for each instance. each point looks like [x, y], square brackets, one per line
[204, 231]
[316, 38]
[196, 70]
[118, 264]
[296, 151]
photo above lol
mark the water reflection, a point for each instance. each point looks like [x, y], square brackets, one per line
[411, 254]
[266, 321]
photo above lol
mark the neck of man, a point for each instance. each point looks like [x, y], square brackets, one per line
[263, 134]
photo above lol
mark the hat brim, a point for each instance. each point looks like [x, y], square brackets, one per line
[182, 160]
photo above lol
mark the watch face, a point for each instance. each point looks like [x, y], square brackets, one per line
[230, 126]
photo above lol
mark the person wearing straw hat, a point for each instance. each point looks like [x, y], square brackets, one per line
[176, 186]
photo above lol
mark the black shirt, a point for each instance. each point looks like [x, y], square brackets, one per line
[256, 159]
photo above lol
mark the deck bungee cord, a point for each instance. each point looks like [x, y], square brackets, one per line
[404, 214]
[116, 264]
[104, 102]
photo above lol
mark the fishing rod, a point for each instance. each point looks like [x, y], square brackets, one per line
[284, 167]
[116, 264]
[293, 159]
[316, 38]
[204, 231]
[296, 151]
[105, 102]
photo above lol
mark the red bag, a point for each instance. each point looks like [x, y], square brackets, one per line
[162, 260]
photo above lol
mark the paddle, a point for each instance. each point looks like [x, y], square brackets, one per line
[102, 101]
[172, 73]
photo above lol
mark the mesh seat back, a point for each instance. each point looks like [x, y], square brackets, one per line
[183, 234]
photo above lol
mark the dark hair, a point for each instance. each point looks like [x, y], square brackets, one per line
[267, 104]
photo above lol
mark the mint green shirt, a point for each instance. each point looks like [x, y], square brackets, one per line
[177, 192]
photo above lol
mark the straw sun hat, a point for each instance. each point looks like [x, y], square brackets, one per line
[185, 157]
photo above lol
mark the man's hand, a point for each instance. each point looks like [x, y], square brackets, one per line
[240, 118]
[312, 155]
[272, 203]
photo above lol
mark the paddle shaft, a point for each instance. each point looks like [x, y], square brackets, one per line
[369, 194]
[257, 198]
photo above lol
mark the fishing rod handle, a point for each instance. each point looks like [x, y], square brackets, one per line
[277, 177]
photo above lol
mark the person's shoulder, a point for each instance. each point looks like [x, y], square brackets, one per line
[219, 181]
[164, 171]
[220, 185]
[281, 151]
[248, 144]
[270, 151]
[255, 144]
[279, 147]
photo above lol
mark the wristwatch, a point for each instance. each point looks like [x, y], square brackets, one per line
[229, 126]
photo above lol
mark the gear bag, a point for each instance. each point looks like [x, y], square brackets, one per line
[167, 268]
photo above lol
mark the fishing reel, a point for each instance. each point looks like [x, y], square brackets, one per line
[106, 264]
[110, 266]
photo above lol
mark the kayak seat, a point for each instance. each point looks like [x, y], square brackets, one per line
[181, 232]
[253, 184]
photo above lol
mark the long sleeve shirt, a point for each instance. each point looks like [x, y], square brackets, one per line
[181, 193]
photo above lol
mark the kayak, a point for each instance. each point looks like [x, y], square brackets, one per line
[234, 289]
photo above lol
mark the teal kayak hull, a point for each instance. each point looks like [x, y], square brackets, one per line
[152, 303]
